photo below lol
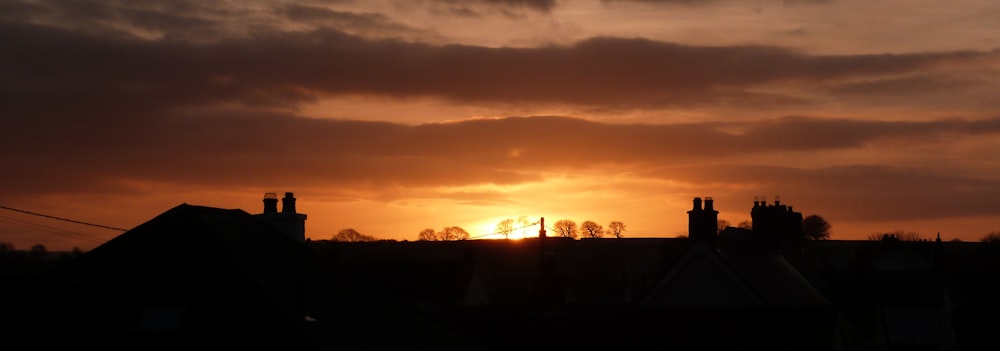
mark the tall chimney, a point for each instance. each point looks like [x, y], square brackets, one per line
[703, 223]
[541, 228]
[270, 203]
[288, 204]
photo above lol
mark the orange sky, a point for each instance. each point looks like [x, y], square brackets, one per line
[394, 116]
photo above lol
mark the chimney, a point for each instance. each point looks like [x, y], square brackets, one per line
[703, 223]
[777, 200]
[288, 204]
[270, 203]
[289, 222]
[541, 228]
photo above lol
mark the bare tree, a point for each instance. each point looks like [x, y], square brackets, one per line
[351, 235]
[566, 228]
[523, 222]
[428, 235]
[897, 235]
[616, 228]
[453, 233]
[723, 224]
[38, 251]
[745, 225]
[992, 238]
[505, 227]
[592, 229]
[815, 227]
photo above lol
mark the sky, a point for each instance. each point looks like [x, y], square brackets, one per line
[392, 116]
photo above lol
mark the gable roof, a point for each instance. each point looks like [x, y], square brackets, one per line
[732, 275]
[701, 277]
[222, 278]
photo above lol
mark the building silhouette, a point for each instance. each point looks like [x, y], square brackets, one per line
[223, 278]
[288, 221]
[776, 223]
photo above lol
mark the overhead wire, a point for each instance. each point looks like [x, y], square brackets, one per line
[501, 233]
[53, 230]
[62, 219]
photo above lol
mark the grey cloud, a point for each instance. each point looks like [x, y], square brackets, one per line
[856, 192]
[85, 72]
[536, 5]
[59, 154]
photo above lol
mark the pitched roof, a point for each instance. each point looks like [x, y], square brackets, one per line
[222, 278]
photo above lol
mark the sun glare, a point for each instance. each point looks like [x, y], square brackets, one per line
[488, 229]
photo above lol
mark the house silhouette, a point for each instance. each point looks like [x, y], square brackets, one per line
[221, 279]
[199, 276]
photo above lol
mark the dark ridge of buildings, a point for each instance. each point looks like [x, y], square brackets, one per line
[226, 279]
[288, 221]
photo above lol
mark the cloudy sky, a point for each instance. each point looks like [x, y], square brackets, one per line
[391, 116]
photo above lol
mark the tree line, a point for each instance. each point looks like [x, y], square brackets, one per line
[589, 229]
[814, 227]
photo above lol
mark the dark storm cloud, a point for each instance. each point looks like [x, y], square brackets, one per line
[371, 25]
[252, 149]
[910, 86]
[180, 19]
[536, 5]
[75, 70]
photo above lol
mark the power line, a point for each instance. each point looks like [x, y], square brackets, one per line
[500, 233]
[49, 229]
[62, 219]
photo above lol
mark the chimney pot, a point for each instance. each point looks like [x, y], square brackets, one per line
[270, 203]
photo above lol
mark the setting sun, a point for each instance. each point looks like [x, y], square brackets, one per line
[391, 118]
[520, 227]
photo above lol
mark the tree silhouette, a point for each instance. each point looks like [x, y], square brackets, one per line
[428, 235]
[723, 224]
[38, 251]
[815, 227]
[351, 235]
[523, 222]
[745, 225]
[616, 228]
[991, 238]
[897, 235]
[505, 227]
[453, 233]
[566, 228]
[592, 229]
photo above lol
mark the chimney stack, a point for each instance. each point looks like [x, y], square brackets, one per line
[703, 223]
[288, 221]
[541, 228]
[288, 204]
[270, 203]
